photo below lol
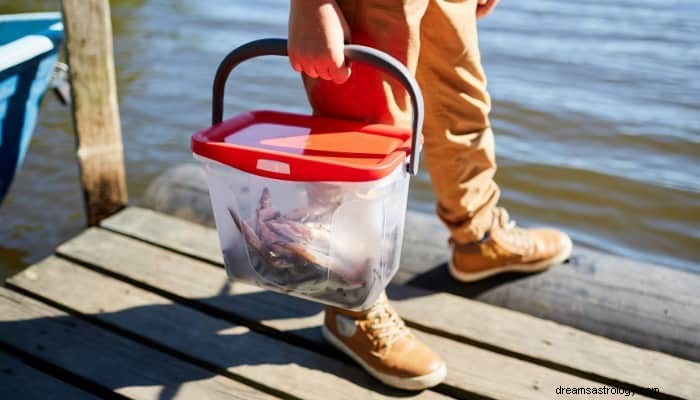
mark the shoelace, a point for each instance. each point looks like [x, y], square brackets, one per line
[385, 326]
[519, 237]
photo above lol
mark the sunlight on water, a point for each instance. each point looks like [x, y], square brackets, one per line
[595, 110]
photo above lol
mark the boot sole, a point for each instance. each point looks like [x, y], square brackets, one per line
[521, 268]
[415, 383]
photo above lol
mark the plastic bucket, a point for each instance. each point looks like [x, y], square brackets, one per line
[305, 205]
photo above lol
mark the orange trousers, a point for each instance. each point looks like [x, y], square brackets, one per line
[437, 40]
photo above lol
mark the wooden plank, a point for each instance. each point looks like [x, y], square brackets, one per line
[106, 359]
[237, 349]
[163, 230]
[644, 305]
[471, 370]
[636, 303]
[545, 342]
[20, 381]
[95, 108]
[474, 322]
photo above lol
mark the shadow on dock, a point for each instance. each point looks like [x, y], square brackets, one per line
[222, 345]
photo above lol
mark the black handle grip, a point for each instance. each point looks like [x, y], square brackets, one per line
[355, 53]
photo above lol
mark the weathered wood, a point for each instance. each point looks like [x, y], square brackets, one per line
[636, 303]
[162, 230]
[644, 305]
[95, 108]
[546, 342]
[237, 349]
[471, 370]
[106, 359]
[20, 381]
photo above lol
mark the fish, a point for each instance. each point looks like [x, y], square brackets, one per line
[253, 240]
[248, 233]
[286, 229]
[312, 214]
[293, 248]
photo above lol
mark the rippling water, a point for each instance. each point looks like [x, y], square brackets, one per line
[596, 109]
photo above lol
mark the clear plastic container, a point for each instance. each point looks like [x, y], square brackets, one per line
[306, 205]
[334, 242]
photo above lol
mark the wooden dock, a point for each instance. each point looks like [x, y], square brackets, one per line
[141, 308]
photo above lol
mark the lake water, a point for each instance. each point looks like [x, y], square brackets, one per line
[596, 112]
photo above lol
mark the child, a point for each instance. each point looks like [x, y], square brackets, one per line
[437, 40]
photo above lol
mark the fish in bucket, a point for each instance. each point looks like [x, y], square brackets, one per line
[306, 205]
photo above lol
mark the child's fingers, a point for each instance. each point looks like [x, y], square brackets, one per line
[340, 75]
[295, 61]
[323, 71]
[310, 70]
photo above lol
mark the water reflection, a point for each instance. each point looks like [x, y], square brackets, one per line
[595, 109]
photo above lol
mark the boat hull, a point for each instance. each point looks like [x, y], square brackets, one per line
[29, 46]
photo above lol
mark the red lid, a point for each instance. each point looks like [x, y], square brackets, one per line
[304, 148]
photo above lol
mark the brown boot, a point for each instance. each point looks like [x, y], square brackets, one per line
[508, 248]
[380, 342]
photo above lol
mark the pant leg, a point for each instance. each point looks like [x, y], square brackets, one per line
[437, 40]
[459, 144]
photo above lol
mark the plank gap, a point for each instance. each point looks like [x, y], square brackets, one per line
[544, 363]
[61, 374]
[152, 344]
[162, 246]
[196, 280]
[18, 380]
[254, 325]
[234, 347]
[331, 352]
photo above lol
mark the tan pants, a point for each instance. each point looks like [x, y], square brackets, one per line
[436, 39]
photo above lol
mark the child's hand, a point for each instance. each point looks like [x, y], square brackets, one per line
[484, 7]
[317, 32]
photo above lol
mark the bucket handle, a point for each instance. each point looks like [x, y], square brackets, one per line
[353, 52]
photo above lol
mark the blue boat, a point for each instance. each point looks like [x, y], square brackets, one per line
[29, 46]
